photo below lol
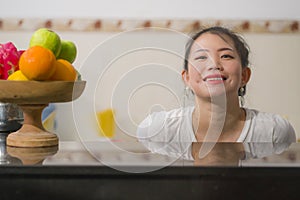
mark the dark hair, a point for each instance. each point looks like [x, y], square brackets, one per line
[239, 43]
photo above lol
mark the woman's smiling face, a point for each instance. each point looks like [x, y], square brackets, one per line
[214, 67]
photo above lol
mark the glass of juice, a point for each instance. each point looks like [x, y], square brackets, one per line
[106, 123]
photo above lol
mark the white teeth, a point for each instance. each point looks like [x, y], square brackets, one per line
[214, 79]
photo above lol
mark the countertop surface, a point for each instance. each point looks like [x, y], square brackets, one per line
[110, 169]
[113, 154]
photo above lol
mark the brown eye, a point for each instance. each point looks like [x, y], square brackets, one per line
[226, 56]
[201, 58]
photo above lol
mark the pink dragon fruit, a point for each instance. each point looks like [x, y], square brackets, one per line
[9, 59]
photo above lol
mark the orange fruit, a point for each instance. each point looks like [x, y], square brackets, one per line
[65, 71]
[37, 63]
[17, 76]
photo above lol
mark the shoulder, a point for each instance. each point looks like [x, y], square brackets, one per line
[279, 129]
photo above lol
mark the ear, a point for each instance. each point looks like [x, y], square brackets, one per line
[246, 74]
[185, 77]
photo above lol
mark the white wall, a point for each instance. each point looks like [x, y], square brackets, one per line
[229, 9]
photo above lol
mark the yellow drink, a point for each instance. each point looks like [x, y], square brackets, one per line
[106, 123]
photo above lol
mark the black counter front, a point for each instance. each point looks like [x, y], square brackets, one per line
[119, 170]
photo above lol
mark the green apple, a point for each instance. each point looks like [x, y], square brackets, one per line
[68, 51]
[46, 38]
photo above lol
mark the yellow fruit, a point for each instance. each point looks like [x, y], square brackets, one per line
[37, 63]
[17, 76]
[64, 71]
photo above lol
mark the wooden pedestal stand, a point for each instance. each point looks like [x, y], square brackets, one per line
[32, 133]
[32, 156]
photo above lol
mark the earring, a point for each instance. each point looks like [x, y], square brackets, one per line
[241, 91]
[186, 91]
[241, 94]
[185, 96]
[242, 101]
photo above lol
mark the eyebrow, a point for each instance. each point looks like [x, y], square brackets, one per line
[221, 49]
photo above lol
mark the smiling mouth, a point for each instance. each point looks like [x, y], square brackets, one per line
[215, 79]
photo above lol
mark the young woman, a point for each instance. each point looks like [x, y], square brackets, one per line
[216, 71]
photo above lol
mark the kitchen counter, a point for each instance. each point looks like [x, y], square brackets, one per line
[129, 170]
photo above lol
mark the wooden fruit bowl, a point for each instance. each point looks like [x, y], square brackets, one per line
[32, 97]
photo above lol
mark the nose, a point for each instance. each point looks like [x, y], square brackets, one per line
[214, 64]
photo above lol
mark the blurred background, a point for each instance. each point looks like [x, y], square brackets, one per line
[119, 54]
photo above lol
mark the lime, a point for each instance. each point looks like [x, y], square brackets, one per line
[46, 38]
[68, 51]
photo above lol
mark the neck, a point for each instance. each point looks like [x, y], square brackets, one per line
[217, 116]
